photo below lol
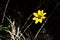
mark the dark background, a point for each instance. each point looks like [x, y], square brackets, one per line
[27, 7]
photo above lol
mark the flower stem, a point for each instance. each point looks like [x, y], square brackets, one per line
[5, 11]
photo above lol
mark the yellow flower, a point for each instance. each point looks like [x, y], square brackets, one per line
[39, 16]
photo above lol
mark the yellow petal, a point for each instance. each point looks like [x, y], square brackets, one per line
[40, 20]
[39, 12]
[42, 11]
[35, 14]
[34, 18]
[43, 17]
[44, 14]
[36, 21]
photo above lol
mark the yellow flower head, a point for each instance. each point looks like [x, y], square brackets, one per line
[39, 16]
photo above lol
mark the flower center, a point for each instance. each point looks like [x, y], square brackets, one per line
[39, 16]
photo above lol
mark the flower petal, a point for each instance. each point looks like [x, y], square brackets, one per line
[42, 11]
[35, 14]
[40, 20]
[43, 17]
[44, 14]
[36, 21]
[34, 18]
[39, 12]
